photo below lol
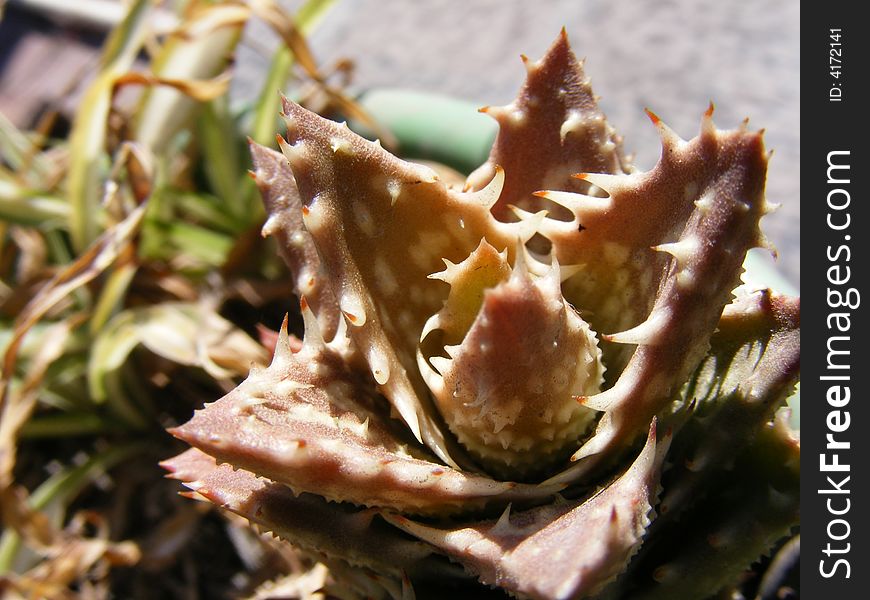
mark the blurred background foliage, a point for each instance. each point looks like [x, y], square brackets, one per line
[134, 287]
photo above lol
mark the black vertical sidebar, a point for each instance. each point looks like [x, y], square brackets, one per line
[835, 253]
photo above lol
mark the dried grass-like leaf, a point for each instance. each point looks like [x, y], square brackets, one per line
[88, 139]
[196, 53]
[21, 401]
[189, 334]
[200, 90]
[16, 407]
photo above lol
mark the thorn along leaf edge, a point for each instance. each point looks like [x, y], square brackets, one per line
[493, 374]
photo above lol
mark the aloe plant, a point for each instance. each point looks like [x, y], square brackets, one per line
[539, 381]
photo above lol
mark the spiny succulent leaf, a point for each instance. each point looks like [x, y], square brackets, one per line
[750, 371]
[552, 130]
[627, 244]
[567, 550]
[382, 226]
[309, 422]
[748, 509]
[507, 389]
[729, 168]
[280, 195]
[308, 521]
[433, 303]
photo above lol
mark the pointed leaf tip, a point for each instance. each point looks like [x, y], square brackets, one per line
[652, 117]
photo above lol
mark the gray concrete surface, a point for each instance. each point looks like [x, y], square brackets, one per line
[672, 56]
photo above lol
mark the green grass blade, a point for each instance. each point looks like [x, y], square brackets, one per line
[198, 51]
[88, 160]
[26, 207]
[19, 151]
[268, 106]
[111, 297]
[223, 163]
[206, 210]
[67, 424]
[111, 347]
